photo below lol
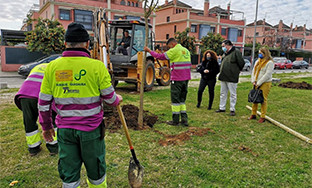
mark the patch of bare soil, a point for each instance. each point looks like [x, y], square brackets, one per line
[184, 136]
[294, 85]
[246, 149]
[131, 112]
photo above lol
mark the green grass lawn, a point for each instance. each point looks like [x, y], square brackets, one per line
[278, 159]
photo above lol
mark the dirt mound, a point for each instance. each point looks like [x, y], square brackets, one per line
[131, 112]
[294, 85]
[180, 138]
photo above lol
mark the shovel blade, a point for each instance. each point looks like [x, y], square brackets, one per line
[135, 174]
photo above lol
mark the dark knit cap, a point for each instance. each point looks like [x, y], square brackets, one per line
[76, 32]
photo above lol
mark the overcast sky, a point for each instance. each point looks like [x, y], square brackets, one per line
[12, 12]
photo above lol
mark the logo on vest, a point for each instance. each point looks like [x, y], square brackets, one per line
[185, 54]
[82, 72]
[67, 90]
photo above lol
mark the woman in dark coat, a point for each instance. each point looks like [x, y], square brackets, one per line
[208, 69]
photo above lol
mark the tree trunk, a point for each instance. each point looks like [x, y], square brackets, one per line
[147, 12]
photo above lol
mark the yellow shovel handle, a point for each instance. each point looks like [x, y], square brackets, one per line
[124, 124]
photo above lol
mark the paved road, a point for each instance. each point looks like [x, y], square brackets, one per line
[276, 71]
[14, 80]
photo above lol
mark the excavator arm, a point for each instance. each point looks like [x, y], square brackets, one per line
[101, 47]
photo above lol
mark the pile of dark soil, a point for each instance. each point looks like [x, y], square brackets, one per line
[131, 112]
[294, 85]
[180, 138]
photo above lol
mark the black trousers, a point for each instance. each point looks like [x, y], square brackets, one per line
[30, 117]
[202, 85]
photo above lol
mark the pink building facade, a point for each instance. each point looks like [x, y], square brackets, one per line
[177, 16]
[67, 11]
[280, 35]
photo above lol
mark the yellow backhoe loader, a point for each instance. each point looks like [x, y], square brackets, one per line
[127, 66]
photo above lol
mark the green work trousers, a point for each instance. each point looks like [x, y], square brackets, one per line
[30, 117]
[178, 97]
[77, 147]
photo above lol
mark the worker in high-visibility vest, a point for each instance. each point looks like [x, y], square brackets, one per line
[180, 66]
[26, 100]
[78, 85]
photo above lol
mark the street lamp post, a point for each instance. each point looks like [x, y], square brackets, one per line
[254, 39]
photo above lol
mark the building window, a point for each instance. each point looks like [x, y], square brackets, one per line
[64, 14]
[223, 31]
[193, 28]
[182, 10]
[137, 4]
[128, 3]
[122, 2]
[167, 36]
[84, 17]
[29, 27]
[240, 33]
[175, 28]
[168, 18]
[177, 11]
[133, 4]
[212, 29]
[257, 33]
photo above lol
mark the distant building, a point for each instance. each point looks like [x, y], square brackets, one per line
[176, 16]
[280, 35]
[67, 11]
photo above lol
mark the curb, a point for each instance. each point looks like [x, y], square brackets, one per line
[11, 76]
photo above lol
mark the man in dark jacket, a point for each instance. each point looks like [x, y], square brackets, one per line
[124, 44]
[232, 64]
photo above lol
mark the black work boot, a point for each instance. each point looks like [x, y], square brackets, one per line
[184, 123]
[175, 119]
[53, 149]
[184, 119]
[34, 151]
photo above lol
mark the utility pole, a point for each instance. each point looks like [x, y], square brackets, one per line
[254, 39]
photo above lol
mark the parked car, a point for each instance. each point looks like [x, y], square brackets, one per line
[24, 70]
[247, 65]
[279, 64]
[288, 64]
[300, 64]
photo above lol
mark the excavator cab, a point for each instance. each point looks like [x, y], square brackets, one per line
[136, 30]
[126, 63]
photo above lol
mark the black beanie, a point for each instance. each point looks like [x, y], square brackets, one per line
[76, 32]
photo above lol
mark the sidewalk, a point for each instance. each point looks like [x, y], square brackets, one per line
[9, 74]
[10, 80]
